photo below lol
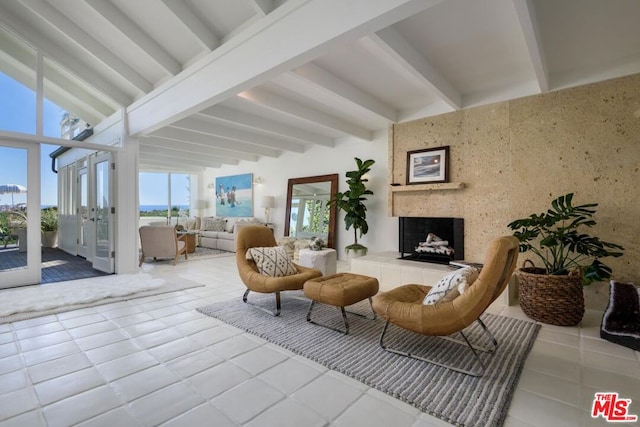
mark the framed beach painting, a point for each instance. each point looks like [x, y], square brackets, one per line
[428, 166]
[234, 195]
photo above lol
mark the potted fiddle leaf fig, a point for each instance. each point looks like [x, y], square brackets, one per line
[571, 259]
[352, 203]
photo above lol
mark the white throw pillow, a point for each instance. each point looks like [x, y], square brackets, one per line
[215, 223]
[272, 261]
[460, 279]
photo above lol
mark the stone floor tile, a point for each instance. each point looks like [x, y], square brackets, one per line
[247, 400]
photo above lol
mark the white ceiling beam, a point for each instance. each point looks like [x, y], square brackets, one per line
[262, 7]
[295, 109]
[326, 81]
[59, 93]
[71, 89]
[192, 22]
[530, 30]
[152, 141]
[401, 51]
[62, 56]
[185, 154]
[87, 42]
[163, 167]
[251, 121]
[134, 33]
[221, 131]
[241, 64]
[179, 159]
[151, 166]
[210, 141]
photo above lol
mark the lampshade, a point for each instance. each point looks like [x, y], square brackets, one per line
[201, 204]
[268, 201]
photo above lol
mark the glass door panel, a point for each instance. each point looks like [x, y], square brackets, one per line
[83, 214]
[19, 214]
[101, 209]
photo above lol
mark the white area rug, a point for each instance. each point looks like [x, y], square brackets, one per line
[39, 300]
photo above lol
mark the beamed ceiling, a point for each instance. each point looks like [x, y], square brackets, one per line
[207, 83]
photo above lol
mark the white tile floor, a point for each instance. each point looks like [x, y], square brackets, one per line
[156, 361]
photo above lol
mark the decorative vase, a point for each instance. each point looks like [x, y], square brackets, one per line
[356, 253]
[556, 300]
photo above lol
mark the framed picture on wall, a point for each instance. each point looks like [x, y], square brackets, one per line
[234, 195]
[428, 166]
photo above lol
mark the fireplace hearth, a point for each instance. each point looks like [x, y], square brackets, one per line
[431, 239]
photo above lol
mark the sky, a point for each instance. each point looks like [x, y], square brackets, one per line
[18, 114]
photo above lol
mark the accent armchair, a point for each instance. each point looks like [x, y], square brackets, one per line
[257, 236]
[403, 306]
[161, 241]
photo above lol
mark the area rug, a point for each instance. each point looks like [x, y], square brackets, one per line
[453, 397]
[41, 300]
[200, 254]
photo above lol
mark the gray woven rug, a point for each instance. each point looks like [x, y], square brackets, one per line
[456, 398]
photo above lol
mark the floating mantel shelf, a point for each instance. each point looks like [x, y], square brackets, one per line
[428, 187]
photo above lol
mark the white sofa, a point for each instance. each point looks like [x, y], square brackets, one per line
[293, 245]
[220, 233]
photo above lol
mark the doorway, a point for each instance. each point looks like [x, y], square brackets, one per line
[19, 214]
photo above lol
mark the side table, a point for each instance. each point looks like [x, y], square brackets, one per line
[324, 260]
[190, 239]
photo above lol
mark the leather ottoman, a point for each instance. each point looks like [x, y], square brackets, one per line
[340, 290]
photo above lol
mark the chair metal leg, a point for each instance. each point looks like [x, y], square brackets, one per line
[491, 337]
[476, 347]
[475, 373]
[344, 318]
[273, 313]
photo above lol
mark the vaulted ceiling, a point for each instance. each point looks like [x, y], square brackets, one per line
[213, 82]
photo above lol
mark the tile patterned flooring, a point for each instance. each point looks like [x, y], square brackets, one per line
[156, 361]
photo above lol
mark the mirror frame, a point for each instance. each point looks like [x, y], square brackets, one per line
[333, 179]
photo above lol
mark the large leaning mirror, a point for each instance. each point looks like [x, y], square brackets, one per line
[307, 212]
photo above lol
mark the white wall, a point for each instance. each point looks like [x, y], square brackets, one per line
[317, 160]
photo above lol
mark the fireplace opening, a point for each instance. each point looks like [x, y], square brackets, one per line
[431, 239]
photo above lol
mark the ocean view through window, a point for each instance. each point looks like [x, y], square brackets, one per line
[164, 196]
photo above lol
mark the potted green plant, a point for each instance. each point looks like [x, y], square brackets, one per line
[571, 260]
[352, 203]
[49, 227]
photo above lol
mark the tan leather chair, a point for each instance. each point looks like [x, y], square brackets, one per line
[161, 241]
[256, 236]
[403, 306]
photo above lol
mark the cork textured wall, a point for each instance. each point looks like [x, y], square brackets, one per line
[515, 157]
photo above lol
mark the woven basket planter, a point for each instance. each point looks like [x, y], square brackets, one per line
[556, 300]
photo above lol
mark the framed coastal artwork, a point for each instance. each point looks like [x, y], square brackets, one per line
[428, 166]
[234, 195]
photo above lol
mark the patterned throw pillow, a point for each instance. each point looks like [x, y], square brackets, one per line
[460, 280]
[272, 261]
[215, 224]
